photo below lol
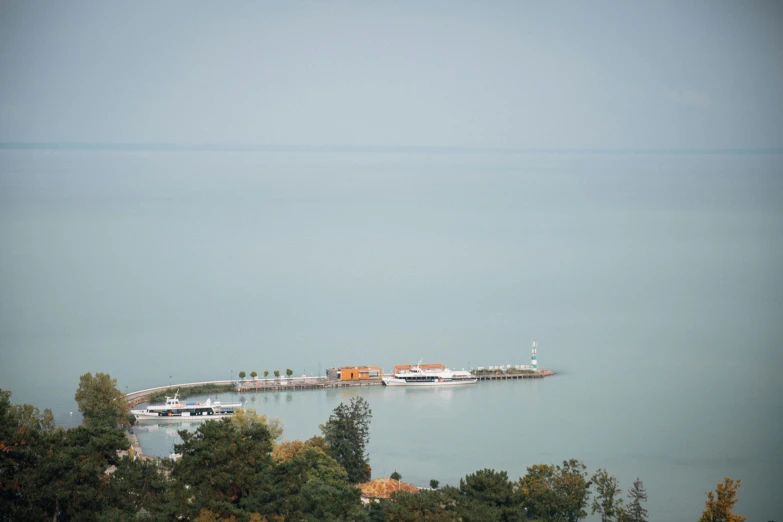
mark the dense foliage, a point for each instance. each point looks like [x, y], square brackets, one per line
[235, 470]
[99, 400]
[347, 433]
[720, 504]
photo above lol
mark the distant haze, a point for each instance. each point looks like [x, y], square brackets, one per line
[445, 74]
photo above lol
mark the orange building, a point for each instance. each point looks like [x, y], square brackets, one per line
[354, 373]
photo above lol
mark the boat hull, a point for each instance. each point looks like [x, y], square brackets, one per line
[402, 382]
[154, 417]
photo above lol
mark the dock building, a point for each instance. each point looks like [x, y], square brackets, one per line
[354, 373]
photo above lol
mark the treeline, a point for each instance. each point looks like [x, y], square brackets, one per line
[236, 470]
[289, 372]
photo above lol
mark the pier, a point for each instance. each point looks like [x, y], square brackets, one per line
[138, 397]
[312, 383]
[503, 376]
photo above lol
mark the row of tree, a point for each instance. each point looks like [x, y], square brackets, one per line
[289, 372]
[236, 469]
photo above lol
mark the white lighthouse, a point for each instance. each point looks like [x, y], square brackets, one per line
[534, 361]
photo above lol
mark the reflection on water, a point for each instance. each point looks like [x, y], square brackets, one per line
[158, 439]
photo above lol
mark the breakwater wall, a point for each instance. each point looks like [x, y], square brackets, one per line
[138, 397]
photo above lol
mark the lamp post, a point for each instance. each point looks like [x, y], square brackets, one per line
[169, 381]
[232, 375]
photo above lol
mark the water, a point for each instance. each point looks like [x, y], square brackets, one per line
[651, 282]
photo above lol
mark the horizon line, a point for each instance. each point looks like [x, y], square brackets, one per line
[225, 147]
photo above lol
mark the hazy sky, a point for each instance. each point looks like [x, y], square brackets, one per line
[466, 74]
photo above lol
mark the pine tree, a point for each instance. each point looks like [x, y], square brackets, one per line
[347, 433]
[637, 494]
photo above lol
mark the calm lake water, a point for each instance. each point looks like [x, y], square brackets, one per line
[652, 283]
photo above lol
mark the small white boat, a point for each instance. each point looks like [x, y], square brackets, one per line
[428, 375]
[174, 410]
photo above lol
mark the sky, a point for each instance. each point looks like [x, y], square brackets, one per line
[519, 75]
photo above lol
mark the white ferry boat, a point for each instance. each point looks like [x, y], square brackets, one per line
[428, 375]
[174, 410]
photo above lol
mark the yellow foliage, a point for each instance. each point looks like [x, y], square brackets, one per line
[720, 509]
[247, 416]
[383, 488]
[287, 450]
[206, 515]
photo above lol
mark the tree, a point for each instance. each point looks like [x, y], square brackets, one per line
[289, 372]
[487, 495]
[253, 374]
[637, 494]
[246, 417]
[24, 432]
[100, 401]
[425, 506]
[223, 463]
[434, 484]
[607, 501]
[29, 417]
[277, 374]
[307, 485]
[395, 476]
[555, 493]
[68, 479]
[720, 509]
[242, 375]
[266, 374]
[347, 433]
[137, 484]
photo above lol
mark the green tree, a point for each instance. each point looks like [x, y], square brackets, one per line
[222, 464]
[242, 375]
[289, 372]
[424, 506]
[52, 473]
[347, 433]
[395, 476]
[607, 501]
[555, 493]
[22, 428]
[720, 504]
[308, 485]
[266, 374]
[277, 374]
[100, 401]
[68, 480]
[637, 494]
[253, 374]
[434, 484]
[28, 417]
[137, 484]
[487, 495]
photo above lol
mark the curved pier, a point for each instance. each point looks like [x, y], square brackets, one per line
[308, 383]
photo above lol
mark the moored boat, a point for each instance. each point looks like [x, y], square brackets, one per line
[428, 375]
[179, 411]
